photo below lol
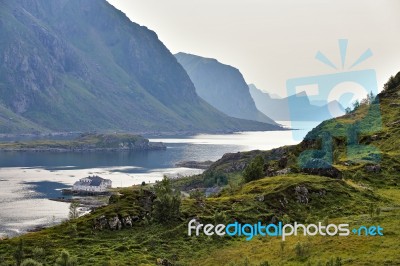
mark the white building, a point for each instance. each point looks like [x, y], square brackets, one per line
[92, 184]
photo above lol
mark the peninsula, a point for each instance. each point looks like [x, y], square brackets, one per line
[87, 142]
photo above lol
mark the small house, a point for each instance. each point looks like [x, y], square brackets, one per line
[92, 184]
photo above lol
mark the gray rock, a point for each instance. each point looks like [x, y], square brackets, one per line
[114, 223]
[260, 198]
[100, 223]
[301, 193]
[373, 168]
[283, 171]
[127, 221]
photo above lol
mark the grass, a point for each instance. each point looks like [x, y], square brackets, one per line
[146, 242]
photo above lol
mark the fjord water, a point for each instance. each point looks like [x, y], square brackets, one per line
[28, 180]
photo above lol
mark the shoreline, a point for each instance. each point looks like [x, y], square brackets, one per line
[142, 133]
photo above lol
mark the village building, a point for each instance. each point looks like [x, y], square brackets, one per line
[92, 184]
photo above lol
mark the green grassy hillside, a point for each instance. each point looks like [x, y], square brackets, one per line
[362, 191]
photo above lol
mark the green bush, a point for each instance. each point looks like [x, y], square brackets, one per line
[197, 194]
[65, 259]
[211, 178]
[335, 262]
[255, 170]
[30, 262]
[168, 202]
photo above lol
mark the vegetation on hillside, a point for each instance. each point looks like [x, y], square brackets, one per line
[356, 184]
[85, 142]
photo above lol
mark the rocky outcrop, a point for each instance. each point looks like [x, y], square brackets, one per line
[284, 171]
[114, 223]
[164, 262]
[120, 221]
[373, 168]
[395, 123]
[302, 195]
[194, 164]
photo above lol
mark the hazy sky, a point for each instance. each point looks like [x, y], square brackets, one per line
[272, 41]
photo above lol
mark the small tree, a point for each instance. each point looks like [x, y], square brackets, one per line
[65, 259]
[255, 170]
[30, 262]
[197, 194]
[356, 105]
[370, 97]
[73, 210]
[38, 253]
[220, 217]
[168, 202]
[19, 253]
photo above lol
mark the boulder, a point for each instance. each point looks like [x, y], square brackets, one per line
[301, 193]
[127, 221]
[164, 262]
[373, 168]
[100, 223]
[114, 223]
[284, 171]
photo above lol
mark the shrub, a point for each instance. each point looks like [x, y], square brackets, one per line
[73, 210]
[211, 178]
[255, 170]
[168, 202]
[220, 217]
[30, 262]
[38, 253]
[19, 253]
[65, 259]
[197, 194]
[335, 262]
[301, 250]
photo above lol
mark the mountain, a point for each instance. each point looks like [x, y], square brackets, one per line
[296, 107]
[71, 65]
[222, 86]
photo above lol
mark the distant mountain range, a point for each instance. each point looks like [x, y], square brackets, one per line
[295, 107]
[71, 65]
[222, 86]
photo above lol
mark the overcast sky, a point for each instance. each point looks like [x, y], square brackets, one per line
[272, 41]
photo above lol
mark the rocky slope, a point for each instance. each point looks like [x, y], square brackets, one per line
[70, 65]
[222, 86]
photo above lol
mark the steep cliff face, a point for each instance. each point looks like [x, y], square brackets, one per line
[83, 65]
[222, 86]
